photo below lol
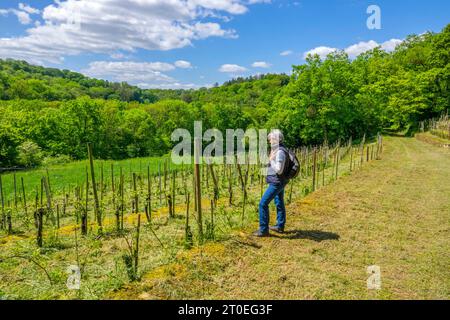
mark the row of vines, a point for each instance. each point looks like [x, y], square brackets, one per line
[192, 204]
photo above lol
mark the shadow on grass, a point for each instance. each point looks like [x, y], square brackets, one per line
[314, 235]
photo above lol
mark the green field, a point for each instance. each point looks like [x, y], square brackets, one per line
[65, 176]
[28, 271]
[393, 213]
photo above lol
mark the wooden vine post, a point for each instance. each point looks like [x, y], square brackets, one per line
[198, 188]
[170, 205]
[94, 187]
[338, 159]
[325, 162]
[113, 190]
[38, 217]
[173, 191]
[149, 196]
[188, 234]
[136, 248]
[159, 183]
[24, 197]
[362, 149]
[15, 192]
[49, 199]
[216, 183]
[135, 195]
[230, 186]
[2, 199]
[122, 200]
[84, 212]
[314, 169]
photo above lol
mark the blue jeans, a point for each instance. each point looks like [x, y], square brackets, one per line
[274, 192]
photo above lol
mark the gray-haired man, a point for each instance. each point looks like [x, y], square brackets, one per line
[277, 183]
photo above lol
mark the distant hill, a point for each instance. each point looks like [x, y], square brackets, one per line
[21, 80]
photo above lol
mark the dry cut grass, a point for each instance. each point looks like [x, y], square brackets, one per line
[393, 213]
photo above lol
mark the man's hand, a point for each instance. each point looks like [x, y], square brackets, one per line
[273, 155]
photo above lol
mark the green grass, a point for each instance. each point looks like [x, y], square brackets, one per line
[433, 139]
[393, 213]
[101, 258]
[65, 176]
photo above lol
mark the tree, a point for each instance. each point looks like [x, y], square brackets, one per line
[29, 154]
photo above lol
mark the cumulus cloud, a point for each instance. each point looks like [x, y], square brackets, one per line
[356, 49]
[182, 64]
[232, 68]
[73, 27]
[258, 1]
[361, 47]
[172, 85]
[24, 17]
[390, 45]
[132, 72]
[286, 53]
[22, 13]
[142, 74]
[261, 64]
[322, 52]
[28, 9]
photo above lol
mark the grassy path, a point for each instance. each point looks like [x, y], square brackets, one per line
[393, 213]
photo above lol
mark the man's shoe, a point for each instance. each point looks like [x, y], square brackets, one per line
[260, 234]
[277, 229]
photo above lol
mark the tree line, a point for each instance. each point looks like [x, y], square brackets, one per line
[52, 114]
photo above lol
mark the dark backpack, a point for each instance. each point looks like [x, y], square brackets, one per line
[292, 166]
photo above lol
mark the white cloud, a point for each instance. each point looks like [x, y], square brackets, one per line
[173, 85]
[117, 55]
[261, 64]
[23, 14]
[73, 27]
[321, 51]
[132, 72]
[286, 53]
[258, 1]
[232, 7]
[142, 74]
[390, 45]
[356, 49]
[24, 17]
[361, 47]
[28, 9]
[232, 68]
[182, 64]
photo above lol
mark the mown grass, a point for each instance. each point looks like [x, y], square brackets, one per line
[393, 213]
[162, 243]
[432, 139]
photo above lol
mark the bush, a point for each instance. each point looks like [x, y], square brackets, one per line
[60, 159]
[29, 154]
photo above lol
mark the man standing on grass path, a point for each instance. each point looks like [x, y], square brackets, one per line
[279, 164]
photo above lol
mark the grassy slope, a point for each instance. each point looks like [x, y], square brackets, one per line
[393, 213]
[74, 173]
[430, 138]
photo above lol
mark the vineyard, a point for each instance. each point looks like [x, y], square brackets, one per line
[118, 222]
[441, 128]
[436, 131]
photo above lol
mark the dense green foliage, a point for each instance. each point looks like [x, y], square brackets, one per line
[56, 112]
[339, 97]
[20, 80]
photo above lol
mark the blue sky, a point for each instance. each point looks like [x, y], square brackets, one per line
[192, 43]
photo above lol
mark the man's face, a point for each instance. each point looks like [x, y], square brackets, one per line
[273, 141]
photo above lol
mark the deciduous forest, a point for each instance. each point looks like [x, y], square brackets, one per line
[49, 114]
